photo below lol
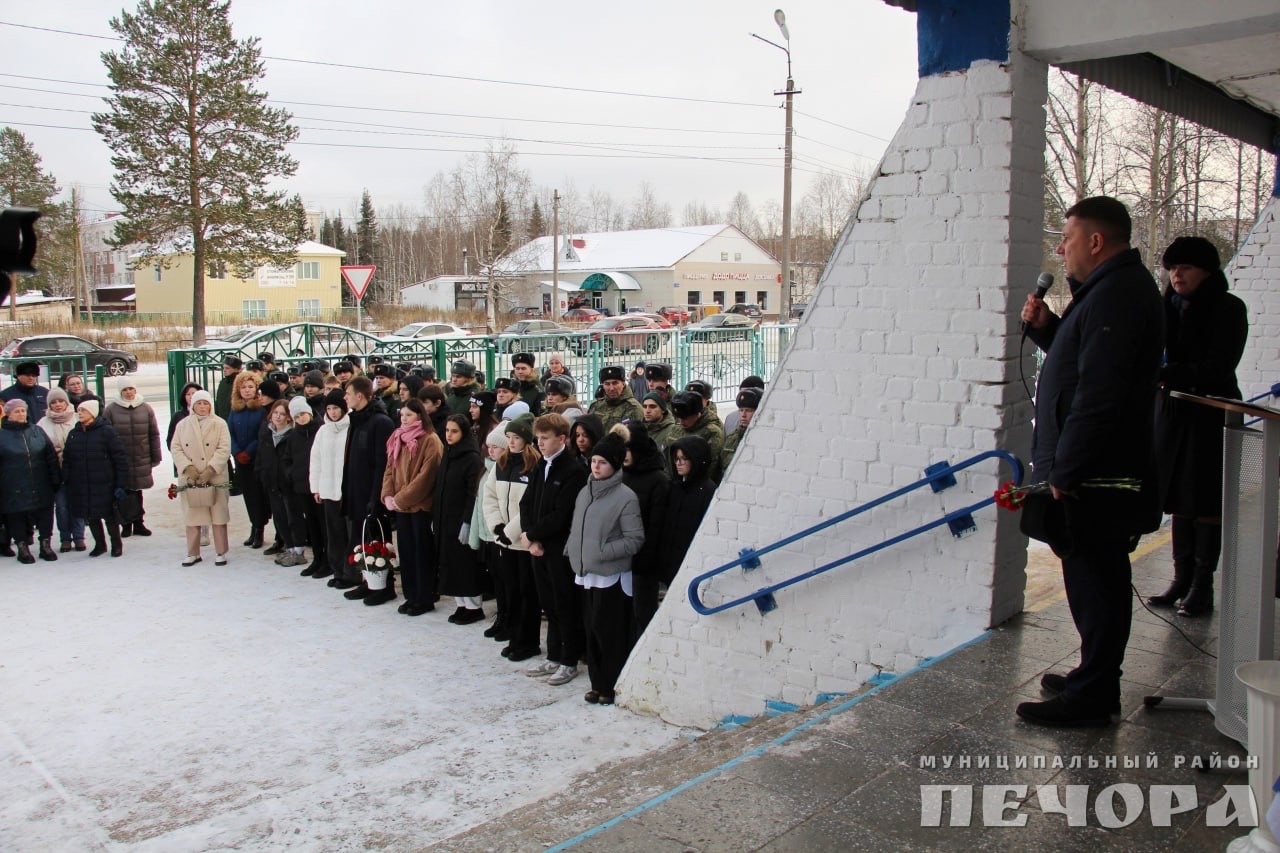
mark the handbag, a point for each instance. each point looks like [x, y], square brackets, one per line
[129, 508]
[201, 496]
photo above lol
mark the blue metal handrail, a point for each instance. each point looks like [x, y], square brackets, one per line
[1274, 392]
[749, 558]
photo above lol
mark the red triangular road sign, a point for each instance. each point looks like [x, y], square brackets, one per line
[358, 278]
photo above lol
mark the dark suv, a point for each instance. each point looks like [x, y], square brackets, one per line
[747, 310]
[62, 354]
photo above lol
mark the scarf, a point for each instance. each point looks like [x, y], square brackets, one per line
[405, 437]
[61, 417]
[278, 435]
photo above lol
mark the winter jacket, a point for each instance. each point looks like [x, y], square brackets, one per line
[594, 427]
[36, 397]
[730, 447]
[625, 409]
[1095, 399]
[391, 401]
[647, 477]
[135, 422]
[501, 499]
[530, 390]
[328, 452]
[95, 465]
[456, 487]
[58, 432]
[707, 428]
[478, 532]
[607, 530]
[29, 473]
[366, 461]
[1204, 338]
[244, 425]
[663, 432]
[297, 456]
[270, 464]
[546, 507]
[458, 400]
[687, 503]
[204, 444]
[222, 397]
[412, 479]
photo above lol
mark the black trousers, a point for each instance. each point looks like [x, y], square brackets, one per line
[255, 496]
[562, 602]
[644, 603]
[306, 520]
[1097, 577]
[336, 549]
[286, 529]
[524, 610]
[417, 549]
[606, 616]
[23, 524]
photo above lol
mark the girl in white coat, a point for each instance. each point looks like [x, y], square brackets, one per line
[328, 454]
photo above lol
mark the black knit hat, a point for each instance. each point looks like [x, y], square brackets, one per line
[658, 372]
[749, 398]
[612, 449]
[313, 378]
[613, 371]
[504, 383]
[336, 398]
[1194, 251]
[522, 358]
[233, 362]
[484, 398]
[686, 404]
[659, 398]
[462, 367]
[523, 427]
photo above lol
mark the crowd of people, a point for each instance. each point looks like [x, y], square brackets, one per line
[519, 493]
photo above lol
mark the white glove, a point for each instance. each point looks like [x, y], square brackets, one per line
[464, 534]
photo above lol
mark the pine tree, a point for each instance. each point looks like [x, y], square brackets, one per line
[366, 231]
[501, 229]
[24, 183]
[537, 228]
[326, 232]
[195, 146]
[300, 221]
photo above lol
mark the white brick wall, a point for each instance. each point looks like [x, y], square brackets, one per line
[1254, 274]
[907, 356]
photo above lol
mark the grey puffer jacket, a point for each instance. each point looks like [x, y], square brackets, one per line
[607, 528]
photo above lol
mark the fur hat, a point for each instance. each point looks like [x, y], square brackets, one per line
[687, 404]
[559, 385]
[427, 372]
[266, 356]
[522, 358]
[232, 361]
[278, 376]
[385, 370]
[613, 371]
[344, 367]
[353, 358]
[1194, 251]
[294, 370]
[701, 387]
[27, 368]
[336, 398]
[752, 381]
[256, 365]
[749, 398]
[462, 367]
[658, 372]
[373, 361]
[91, 406]
[314, 378]
[270, 390]
[299, 406]
[504, 383]
[612, 448]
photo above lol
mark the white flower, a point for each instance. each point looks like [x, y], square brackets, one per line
[381, 562]
[368, 561]
[356, 549]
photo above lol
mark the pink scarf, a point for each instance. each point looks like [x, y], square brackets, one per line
[406, 437]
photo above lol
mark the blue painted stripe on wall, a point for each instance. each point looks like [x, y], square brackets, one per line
[951, 35]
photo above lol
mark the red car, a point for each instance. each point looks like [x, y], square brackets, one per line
[662, 322]
[621, 334]
[676, 315]
[581, 316]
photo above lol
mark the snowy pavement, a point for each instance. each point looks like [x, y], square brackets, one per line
[153, 707]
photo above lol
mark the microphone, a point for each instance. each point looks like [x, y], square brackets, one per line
[1043, 283]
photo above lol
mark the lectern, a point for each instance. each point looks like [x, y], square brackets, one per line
[1247, 579]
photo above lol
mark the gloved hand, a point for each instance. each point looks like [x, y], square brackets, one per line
[499, 533]
[119, 493]
[390, 503]
[464, 533]
[190, 473]
[243, 457]
[205, 477]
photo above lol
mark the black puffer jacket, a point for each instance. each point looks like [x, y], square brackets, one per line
[686, 505]
[29, 473]
[94, 464]
[270, 465]
[647, 477]
[296, 456]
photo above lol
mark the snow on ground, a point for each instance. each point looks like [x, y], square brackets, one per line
[149, 706]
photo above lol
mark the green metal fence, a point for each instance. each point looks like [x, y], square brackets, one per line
[94, 379]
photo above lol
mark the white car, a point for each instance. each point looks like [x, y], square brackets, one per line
[425, 331]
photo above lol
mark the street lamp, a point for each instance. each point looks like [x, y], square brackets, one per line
[780, 19]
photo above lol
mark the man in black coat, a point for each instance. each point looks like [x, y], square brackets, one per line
[1095, 403]
[1205, 332]
[365, 462]
[27, 388]
[546, 513]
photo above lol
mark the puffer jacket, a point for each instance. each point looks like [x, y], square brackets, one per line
[28, 466]
[647, 477]
[95, 465]
[502, 493]
[686, 505]
[458, 399]
[607, 529]
[296, 456]
[706, 427]
[135, 422]
[327, 455]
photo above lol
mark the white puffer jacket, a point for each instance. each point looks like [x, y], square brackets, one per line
[327, 456]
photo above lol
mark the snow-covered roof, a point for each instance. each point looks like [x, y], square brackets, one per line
[34, 297]
[306, 247]
[653, 248]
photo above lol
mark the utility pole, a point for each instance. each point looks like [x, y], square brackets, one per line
[784, 297]
[555, 254]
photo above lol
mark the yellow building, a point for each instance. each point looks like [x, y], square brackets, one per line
[311, 289]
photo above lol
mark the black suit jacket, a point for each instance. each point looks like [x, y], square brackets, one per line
[546, 508]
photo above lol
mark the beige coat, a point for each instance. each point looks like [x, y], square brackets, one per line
[205, 444]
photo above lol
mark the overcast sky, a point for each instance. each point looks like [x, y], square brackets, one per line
[854, 60]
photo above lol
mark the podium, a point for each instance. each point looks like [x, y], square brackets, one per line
[1247, 579]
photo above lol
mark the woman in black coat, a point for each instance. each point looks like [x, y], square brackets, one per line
[456, 486]
[1205, 332]
[29, 479]
[690, 495]
[644, 472]
[96, 471]
[303, 509]
[583, 435]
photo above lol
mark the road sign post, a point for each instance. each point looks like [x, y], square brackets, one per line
[357, 278]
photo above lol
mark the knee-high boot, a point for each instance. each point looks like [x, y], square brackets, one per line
[1184, 562]
[1199, 600]
[99, 538]
[117, 547]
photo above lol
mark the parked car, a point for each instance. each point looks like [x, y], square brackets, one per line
[534, 336]
[427, 330]
[581, 316]
[289, 341]
[677, 315]
[721, 327]
[662, 322]
[530, 312]
[62, 354]
[621, 334]
[747, 310]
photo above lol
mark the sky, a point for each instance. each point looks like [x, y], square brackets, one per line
[707, 126]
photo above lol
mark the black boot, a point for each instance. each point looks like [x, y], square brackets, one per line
[99, 538]
[1184, 563]
[248, 543]
[140, 529]
[256, 541]
[117, 547]
[46, 551]
[127, 530]
[24, 553]
[6, 547]
[1199, 601]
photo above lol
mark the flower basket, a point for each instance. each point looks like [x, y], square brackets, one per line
[375, 556]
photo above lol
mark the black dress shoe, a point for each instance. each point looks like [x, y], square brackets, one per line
[342, 583]
[502, 636]
[454, 616]
[98, 550]
[403, 607]
[496, 628]
[1063, 713]
[322, 573]
[1053, 684]
[359, 592]
[417, 609]
[517, 654]
[380, 596]
[470, 616]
